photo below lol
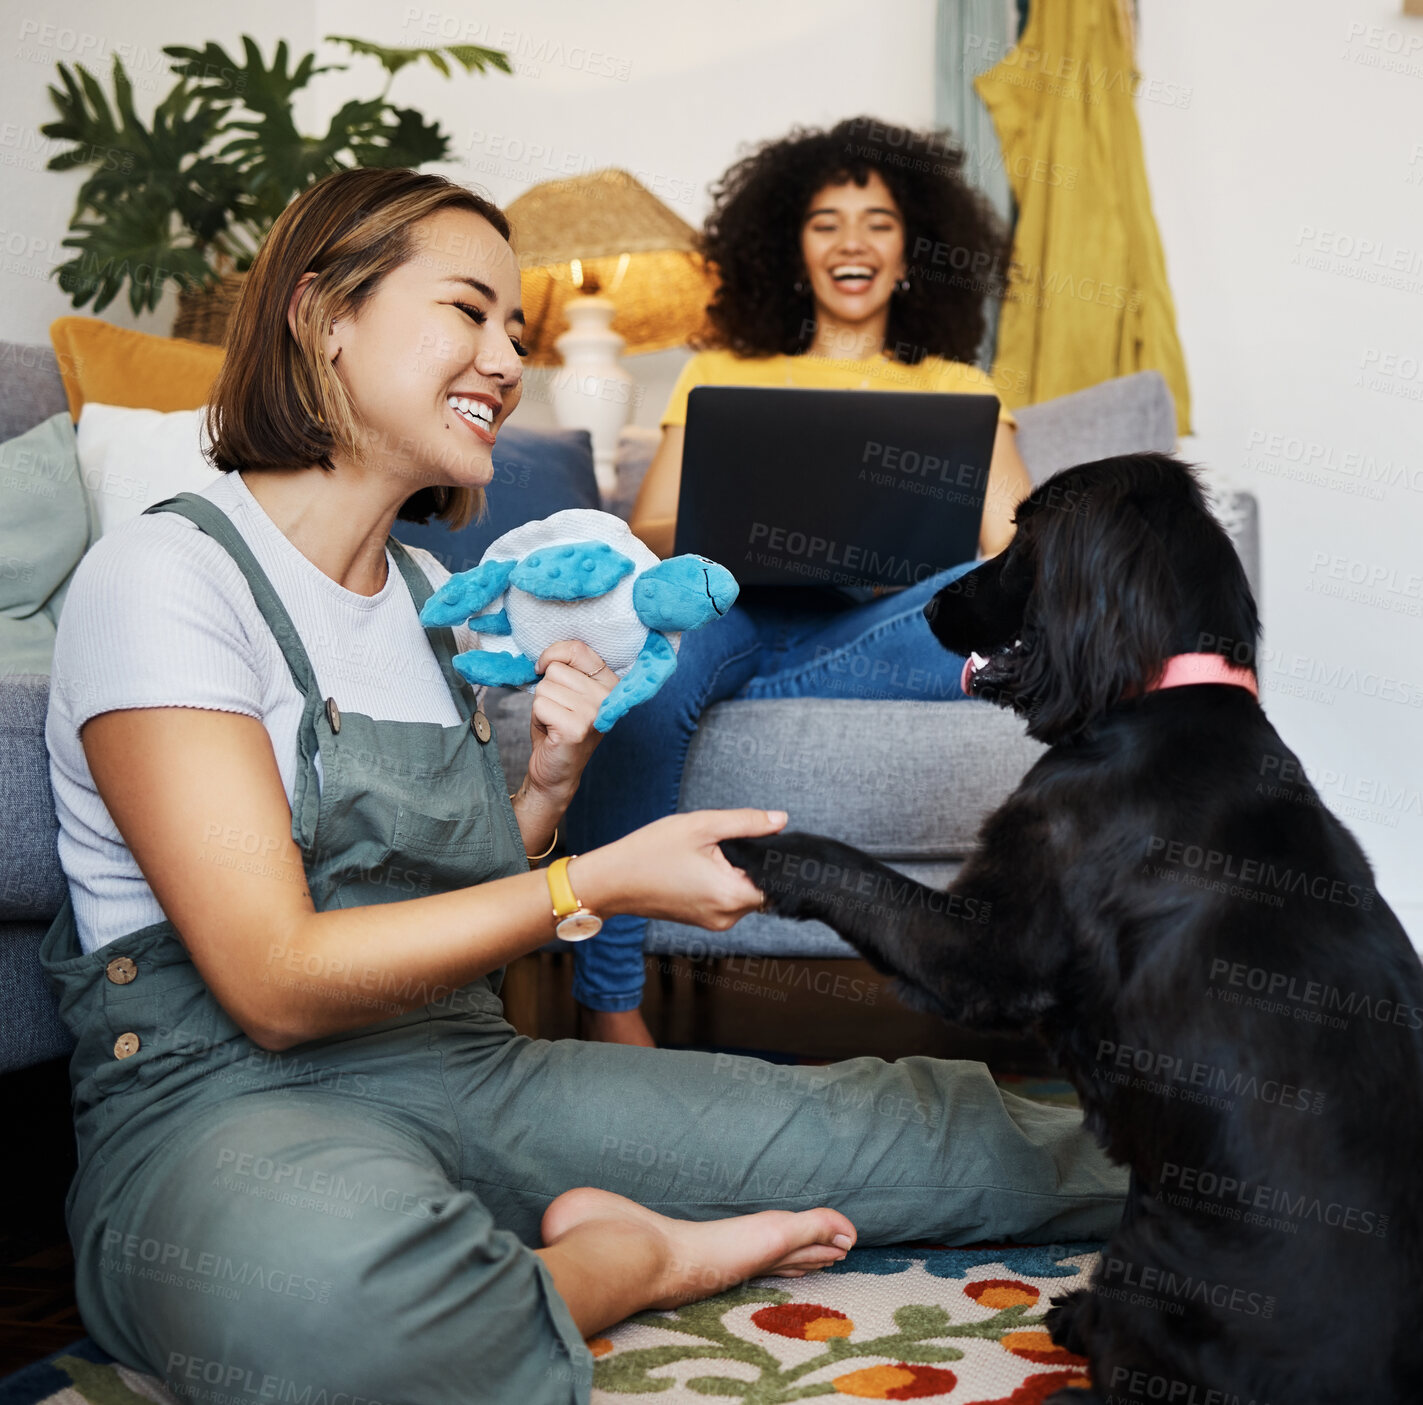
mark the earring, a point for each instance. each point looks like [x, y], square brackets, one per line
[902, 286]
[798, 286]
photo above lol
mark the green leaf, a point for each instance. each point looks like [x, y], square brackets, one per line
[409, 141]
[392, 60]
[470, 57]
[476, 59]
[80, 120]
[131, 246]
[95, 94]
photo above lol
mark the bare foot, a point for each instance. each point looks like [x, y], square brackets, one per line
[708, 1256]
[618, 1027]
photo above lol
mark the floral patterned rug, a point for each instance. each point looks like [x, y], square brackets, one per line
[912, 1322]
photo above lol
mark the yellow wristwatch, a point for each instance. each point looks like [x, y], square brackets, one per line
[572, 921]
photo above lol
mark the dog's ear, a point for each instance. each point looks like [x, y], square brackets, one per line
[1103, 615]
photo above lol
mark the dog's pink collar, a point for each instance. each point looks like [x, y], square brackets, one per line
[1183, 669]
[1180, 670]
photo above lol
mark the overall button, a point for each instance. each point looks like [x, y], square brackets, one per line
[121, 970]
[481, 726]
[125, 1045]
[333, 715]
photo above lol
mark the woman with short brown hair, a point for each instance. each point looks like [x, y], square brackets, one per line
[313, 1157]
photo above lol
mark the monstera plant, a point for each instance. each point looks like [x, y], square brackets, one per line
[189, 197]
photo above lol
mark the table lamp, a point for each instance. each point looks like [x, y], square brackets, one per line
[606, 268]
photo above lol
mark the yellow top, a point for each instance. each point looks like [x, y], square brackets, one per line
[822, 373]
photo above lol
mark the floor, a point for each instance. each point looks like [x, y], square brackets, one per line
[786, 1010]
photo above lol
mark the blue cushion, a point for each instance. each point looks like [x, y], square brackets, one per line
[537, 472]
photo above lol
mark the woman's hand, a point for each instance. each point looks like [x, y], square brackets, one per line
[673, 869]
[566, 700]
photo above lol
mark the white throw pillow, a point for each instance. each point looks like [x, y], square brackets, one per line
[130, 459]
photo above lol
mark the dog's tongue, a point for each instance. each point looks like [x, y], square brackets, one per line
[971, 665]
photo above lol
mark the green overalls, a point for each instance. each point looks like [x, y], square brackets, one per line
[353, 1217]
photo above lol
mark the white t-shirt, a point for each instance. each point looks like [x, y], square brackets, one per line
[159, 615]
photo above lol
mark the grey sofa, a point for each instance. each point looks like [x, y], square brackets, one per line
[908, 781]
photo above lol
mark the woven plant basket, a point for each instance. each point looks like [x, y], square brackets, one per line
[203, 313]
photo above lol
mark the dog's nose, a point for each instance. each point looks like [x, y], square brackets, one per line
[931, 608]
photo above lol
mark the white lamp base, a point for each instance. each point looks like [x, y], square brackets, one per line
[592, 391]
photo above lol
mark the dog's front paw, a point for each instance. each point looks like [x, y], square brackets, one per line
[1064, 1321]
[764, 861]
[747, 854]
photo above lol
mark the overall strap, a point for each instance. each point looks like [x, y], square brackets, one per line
[442, 640]
[306, 796]
[215, 522]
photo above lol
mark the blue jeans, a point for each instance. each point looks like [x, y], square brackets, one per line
[805, 642]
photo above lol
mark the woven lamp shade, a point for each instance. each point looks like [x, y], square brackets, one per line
[664, 289]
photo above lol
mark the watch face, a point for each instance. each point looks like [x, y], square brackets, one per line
[579, 926]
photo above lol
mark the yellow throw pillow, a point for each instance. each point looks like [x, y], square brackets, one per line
[117, 366]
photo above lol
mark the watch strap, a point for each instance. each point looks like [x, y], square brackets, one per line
[560, 890]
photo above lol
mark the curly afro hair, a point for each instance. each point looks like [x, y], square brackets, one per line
[955, 246]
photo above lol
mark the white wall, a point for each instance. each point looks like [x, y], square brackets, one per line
[1289, 195]
[1295, 168]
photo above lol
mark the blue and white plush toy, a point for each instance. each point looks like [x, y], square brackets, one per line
[580, 574]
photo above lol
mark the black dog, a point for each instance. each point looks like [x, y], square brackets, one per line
[1166, 900]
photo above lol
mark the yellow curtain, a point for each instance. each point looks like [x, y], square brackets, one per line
[1088, 297]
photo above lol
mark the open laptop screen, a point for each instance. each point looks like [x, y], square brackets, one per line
[834, 487]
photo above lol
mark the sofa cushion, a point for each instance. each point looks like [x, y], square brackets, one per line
[45, 527]
[119, 366]
[1127, 415]
[900, 780]
[32, 884]
[30, 387]
[27, 645]
[132, 458]
[537, 472]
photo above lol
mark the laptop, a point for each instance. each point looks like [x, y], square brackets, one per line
[848, 488]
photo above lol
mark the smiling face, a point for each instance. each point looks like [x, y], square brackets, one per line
[433, 358]
[852, 242]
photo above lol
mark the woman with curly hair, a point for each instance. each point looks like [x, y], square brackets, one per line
[857, 258]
